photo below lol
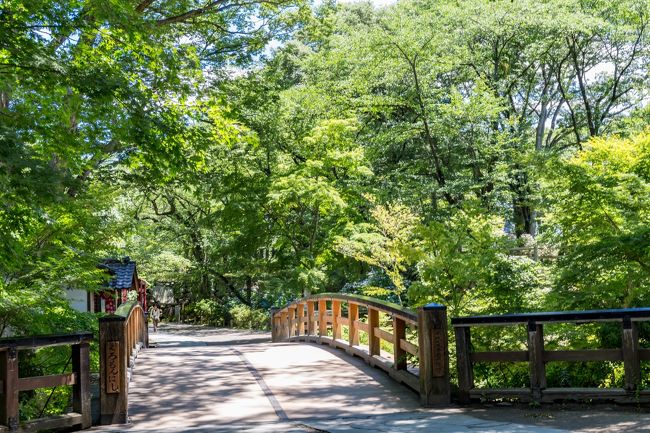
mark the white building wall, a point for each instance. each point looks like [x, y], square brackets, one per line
[78, 299]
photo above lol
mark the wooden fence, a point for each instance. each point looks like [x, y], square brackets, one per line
[121, 336]
[11, 384]
[322, 318]
[537, 357]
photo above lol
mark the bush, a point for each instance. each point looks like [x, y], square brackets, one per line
[244, 317]
[206, 312]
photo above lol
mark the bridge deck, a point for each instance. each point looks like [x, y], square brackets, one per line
[211, 380]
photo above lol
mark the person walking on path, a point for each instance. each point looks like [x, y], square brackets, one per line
[155, 316]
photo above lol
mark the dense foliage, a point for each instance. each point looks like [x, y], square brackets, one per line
[493, 156]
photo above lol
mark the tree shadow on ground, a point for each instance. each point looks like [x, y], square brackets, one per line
[201, 380]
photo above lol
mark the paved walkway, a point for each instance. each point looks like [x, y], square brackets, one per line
[214, 380]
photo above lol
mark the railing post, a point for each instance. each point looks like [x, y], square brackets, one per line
[353, 332]
[130, 343]
[322, 318]
[399, 334]
[9, 398]
[81, 388]
[134, 334]
[274, 325]
[311, 329]
[433, 345]
[631, 360]
[113, 368]
[292, 320]
[301, 319]
[464, 363]
[373, 340]
[284, 325]
[145, 317]
[536, 360]
[336, 324]
[136, 330]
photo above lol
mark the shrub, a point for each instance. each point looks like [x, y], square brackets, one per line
[206, 312]
[244, 317]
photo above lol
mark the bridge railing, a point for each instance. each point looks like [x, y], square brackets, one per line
[11, 384]
[121, 336]
[537, 356]
[321, 318]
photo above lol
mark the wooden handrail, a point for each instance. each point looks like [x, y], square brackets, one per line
[310, 319]
[537, 356]
[366, 301]
[121, 336]
[635, 314]
[37, 341]
[12, 384]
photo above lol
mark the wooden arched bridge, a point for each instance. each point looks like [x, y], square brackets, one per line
[189, 378]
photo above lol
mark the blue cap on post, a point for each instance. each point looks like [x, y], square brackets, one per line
[434, 306]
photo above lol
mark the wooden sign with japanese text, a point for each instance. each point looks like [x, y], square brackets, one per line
[439, 352]
[112, 367]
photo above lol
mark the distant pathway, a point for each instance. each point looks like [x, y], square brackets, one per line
[214, 380]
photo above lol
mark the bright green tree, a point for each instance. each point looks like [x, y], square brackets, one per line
[600, 217]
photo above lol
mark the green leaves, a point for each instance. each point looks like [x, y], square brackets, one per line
[386, 244]
[396, 149]
[600, 219]
[99, 99]
[465, 262]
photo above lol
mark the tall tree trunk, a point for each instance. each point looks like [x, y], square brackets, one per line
[523, 214]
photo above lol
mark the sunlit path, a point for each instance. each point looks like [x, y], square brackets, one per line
[200, 379]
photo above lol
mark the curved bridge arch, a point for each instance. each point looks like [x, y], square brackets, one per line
[325, 318]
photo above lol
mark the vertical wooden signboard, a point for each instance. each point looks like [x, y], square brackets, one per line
[112, 367]
[439, 346]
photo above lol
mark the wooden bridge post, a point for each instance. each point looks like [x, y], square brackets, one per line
[301, 319]
[292, 320]
[275, 325]
[353, 332]
[433, 344]
[284, 325]
[336, 324]
[9, 396]
[536, 360]
[311, 328]
[81, 388]
[129, 342]
[144, 329]
[464, 363]
[399, 334]
[631, 360]
[373, 340]
[113, 366]
[322, 318]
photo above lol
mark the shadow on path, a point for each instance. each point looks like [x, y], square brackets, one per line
[200, 379]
